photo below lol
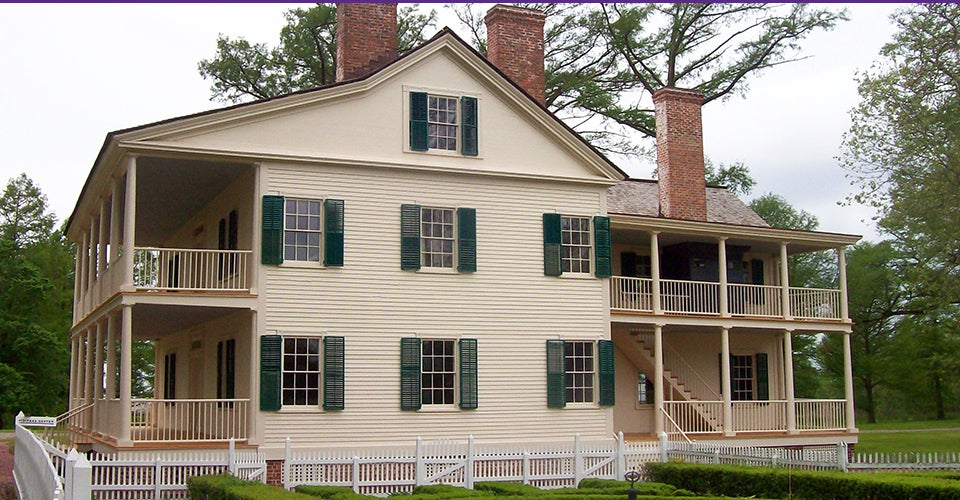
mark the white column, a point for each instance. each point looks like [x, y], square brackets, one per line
[722, 252]
[88, 396]
[842, 266]
[655, 274]
[102, 239]
[129, 221]
[253, 411]
[788, 381]
[848, 382]
[116, 214]
[92, 262]
[84, 250]
[98, 361]
[73, 373]
[785, 282]
[725, 381]
[111, 356]
[658, 377]
[77, 280]
[126, 367]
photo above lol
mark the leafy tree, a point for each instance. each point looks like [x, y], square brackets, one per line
[304, 58]
[735, 177]
[22, 212]
[925, 364]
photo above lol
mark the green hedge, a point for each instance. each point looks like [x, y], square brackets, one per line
[227, 487]
[329, 492]
[782, 483]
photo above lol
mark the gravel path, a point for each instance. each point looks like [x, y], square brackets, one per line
[7, 489]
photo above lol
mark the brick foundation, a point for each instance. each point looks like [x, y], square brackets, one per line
[275, 472]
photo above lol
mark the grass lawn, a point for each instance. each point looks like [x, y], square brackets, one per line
[913, 424]
[910, 437]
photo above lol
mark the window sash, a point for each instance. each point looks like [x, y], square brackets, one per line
[438, 372]
[576, 244]
[437, 237]
[579, 371]
[741, 377]
[302, 229]
[442, 122]
[300, 371]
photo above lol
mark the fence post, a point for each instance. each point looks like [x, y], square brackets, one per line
[842, 456]
[157, 476]
[232, 459]
[577, 461]
[716, 455]
[621, 456]
[355, 474]
[468, 472]
[287, 457]
[526, 467]
[421, 470]
[78, 476]
[663, 447]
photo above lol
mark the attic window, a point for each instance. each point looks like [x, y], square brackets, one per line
[443, 123]
[442, 120]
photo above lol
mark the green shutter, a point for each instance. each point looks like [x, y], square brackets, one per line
[601, 246]
[607, 376]
[409, 374]
[418, 121]
[468, 126]
[468, 374]
[410, 237]
[763, 378]
[333, 373]
[333, 233]
[551, 245]
[271, 250]
[556, 383]
[271, 354]
[466, 240]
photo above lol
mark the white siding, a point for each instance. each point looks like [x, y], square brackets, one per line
[508, 305]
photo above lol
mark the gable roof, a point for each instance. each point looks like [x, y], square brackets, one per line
[642, 197]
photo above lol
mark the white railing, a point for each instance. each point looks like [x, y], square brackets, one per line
[190, 269]
[821, 414]
[686, 375]
[696, 417]
[635, 294]
[696, 297]
[33, 471]
[759, 416]
[815, 303]
[754, 300]
[174, 420]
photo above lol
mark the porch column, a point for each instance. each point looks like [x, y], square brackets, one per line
[72, 387]
[658, 377]
[116, 213]
[111, 357]
[848, 382]
[725, 381]
[842, 266]
[722, 252]
[102, 239]
[655, 274]
[98, 360]
[788, 382]
[84, 252]
[92, 259]
[88, 368]
[126, 366]
[254, 434]
[785, 283]
[129, 221]
[77, 280]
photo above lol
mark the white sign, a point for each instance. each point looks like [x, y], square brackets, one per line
[38, 421]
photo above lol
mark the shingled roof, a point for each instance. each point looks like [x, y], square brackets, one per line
[641, 197]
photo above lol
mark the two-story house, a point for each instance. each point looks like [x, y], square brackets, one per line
[422, 249]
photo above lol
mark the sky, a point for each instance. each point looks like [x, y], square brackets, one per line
[74, 72]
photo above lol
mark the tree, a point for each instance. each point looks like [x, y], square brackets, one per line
[601, 61]
[903, 148]
[23, 220]
[304, 58]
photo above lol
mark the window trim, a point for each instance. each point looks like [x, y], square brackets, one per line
[454, 385]
[458, 95]
[589, 246]
[321, 240]
[284, 371]
[455, 247]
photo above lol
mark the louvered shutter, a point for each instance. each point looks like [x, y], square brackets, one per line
[333, 367]
[410, 373]
[607, 375]
[271, 240]
[763, 377]
[556, 385]
[466, 240]
[601, 246]
[551, 244]
[410, 237]
[468, 126]
[271, 356]
[468, 374]
[419, 127]
[333, 233]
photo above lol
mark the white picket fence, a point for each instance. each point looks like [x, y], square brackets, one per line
[810, 458]
[904, 462]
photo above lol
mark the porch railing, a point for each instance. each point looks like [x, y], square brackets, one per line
[821, 414]
[812, 415]
[190, 269]
[188, 419]
[759, 416]
[701, 297]
[695, 417]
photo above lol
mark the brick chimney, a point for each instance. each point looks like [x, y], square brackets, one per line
[680, 154]
[366, 38]
[515, 46]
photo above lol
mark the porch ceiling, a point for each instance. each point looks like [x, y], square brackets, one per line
[171, 190]
[153, 321]
[641, 238]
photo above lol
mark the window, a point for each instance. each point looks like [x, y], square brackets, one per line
[439, 238]
[292, 369]
[301, 230]
[575, 240]
[442, 118]
[579, 371]
[569, 242]
[170, 376]
[644, 389]
[435, 372]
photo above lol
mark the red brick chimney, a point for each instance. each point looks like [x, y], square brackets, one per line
[515, 46]
[683, 192]
[366, 38]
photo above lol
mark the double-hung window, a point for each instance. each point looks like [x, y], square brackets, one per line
[301, 371]
[438, 373]
[438, 238]
[576, 244]
[443, 123]
[302, 230]
[749, 377]
[580, 371]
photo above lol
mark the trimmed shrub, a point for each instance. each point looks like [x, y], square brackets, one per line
[227, 487]
[508, 489]
[329, 492]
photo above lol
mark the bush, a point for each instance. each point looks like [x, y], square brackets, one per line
[508, 489]
[329, 492]
[227, 487]
[444, 491]
[781, 483]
